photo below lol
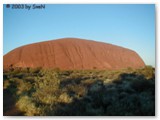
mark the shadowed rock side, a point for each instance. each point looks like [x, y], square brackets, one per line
[72, 53]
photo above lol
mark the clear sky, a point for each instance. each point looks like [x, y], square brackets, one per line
[129, 26]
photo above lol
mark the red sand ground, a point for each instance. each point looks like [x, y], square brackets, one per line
[72, 53]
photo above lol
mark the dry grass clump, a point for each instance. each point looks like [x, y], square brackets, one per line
[26, 105]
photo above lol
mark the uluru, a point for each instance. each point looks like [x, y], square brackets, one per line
[72, 53]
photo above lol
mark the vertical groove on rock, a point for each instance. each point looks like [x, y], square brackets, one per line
[92, 52]
[80, 53]
[42, 58]
[66, 53]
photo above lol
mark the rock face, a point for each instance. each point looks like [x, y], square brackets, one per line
[72, 53]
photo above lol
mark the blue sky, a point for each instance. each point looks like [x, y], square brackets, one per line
[129, 26]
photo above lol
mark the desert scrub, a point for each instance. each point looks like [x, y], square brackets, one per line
[6, 84]
[88, 82]
[65, 98]
[147, 71]
[34, 70]
[147, 107]
[82, 92]
[26, 105]
[142, 85]
[47, 87]
[77, 91]
[23, 87]
[30, 79]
